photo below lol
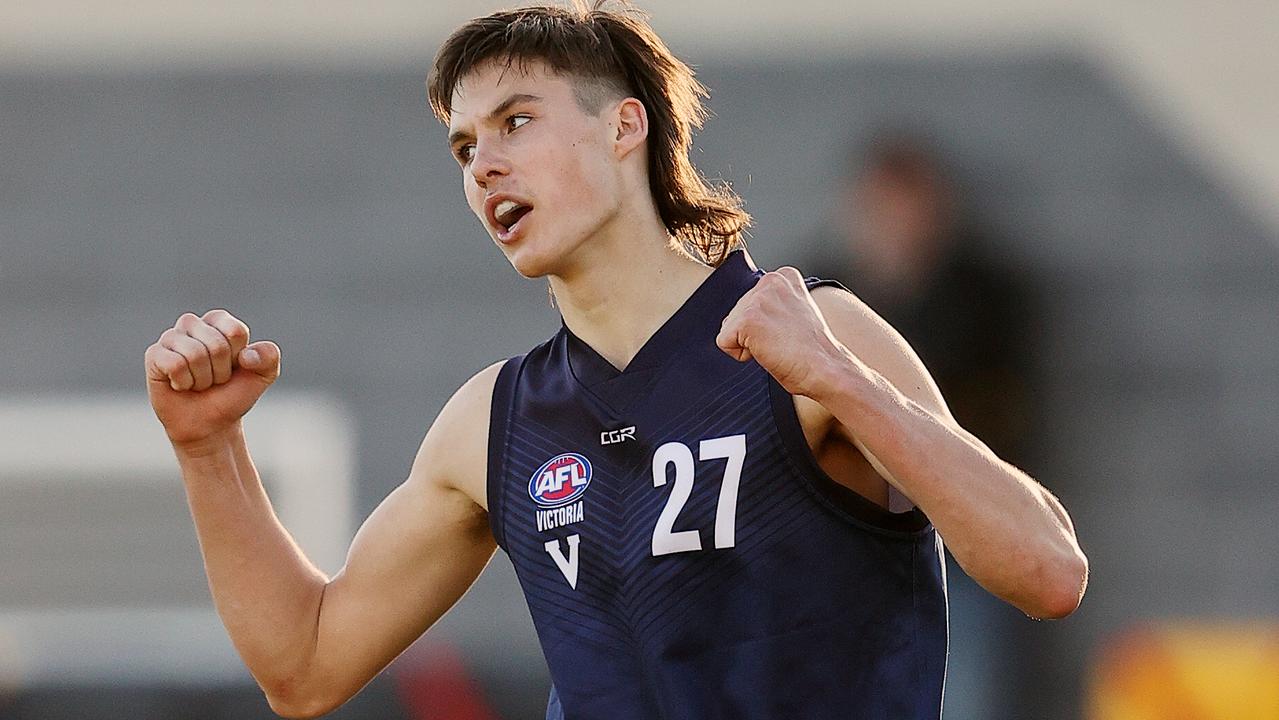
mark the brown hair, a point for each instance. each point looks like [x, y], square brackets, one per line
[617, 53]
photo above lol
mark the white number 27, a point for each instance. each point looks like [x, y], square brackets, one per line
[732, 448]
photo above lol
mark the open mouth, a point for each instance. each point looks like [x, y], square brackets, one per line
[507, 216]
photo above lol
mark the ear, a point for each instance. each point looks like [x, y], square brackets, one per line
[632, 127]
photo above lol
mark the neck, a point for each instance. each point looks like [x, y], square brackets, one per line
[616, 298]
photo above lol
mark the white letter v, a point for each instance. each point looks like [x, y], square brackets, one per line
[568, 565]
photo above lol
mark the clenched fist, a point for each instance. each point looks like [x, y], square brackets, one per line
[203, 375]
[778, 325]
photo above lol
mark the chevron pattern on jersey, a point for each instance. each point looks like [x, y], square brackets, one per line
[637, 624]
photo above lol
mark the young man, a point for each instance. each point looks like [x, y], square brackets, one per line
[722, 492]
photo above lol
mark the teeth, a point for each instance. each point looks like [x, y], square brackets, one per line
[505, 206]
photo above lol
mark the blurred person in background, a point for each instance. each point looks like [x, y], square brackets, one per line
[900, 239]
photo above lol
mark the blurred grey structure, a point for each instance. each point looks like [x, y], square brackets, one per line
[321, 205]
[106, 583]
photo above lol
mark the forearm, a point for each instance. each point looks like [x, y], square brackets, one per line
[1006, 531]
[265, 590]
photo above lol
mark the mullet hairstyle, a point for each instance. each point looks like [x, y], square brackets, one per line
[614, 53]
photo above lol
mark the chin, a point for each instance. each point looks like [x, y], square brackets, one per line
[535, 256]
[528, 262]
[541, 251]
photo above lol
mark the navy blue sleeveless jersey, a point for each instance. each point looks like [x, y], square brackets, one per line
[682, 553]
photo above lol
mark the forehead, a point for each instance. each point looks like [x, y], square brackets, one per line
[490, 83]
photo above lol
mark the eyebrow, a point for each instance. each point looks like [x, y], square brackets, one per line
[495, 113]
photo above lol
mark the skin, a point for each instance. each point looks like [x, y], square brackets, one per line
[861, 385]
[871, 413]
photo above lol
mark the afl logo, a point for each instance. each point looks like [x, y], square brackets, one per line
[561, 480]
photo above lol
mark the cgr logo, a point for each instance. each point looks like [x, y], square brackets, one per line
[561, 480]
[609, 437]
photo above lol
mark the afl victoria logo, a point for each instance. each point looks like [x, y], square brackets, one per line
[561, 480]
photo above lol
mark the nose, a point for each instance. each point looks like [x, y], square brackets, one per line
[488, 163]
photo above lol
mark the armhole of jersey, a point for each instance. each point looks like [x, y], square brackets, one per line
[845, 501]
[499, 422]
[848, 503]
[814, 283]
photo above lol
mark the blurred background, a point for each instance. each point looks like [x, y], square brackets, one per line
[1070, 209]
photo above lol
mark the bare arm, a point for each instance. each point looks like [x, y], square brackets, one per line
[415, 556]
[312, 642]
[1007, 531]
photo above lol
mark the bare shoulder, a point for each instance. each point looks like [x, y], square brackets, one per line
[879, 346]
[454, 454]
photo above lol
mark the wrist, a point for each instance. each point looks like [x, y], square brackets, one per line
[854, 392]
[208, 446]
[835, 375]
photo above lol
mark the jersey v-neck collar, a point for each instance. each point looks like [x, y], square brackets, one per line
[714, 298]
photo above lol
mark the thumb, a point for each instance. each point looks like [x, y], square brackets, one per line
[262, 358]
[729, 341]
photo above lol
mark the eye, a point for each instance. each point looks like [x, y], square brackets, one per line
[515, 122]
[464, 153]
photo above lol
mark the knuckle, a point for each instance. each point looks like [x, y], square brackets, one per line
[219, 349]
[172, 365]
[194, 352]
[234, 329]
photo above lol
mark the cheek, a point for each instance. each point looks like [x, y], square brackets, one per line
[586, 178]
[474, 195]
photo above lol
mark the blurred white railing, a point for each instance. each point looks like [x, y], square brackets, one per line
[100, 574]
